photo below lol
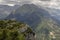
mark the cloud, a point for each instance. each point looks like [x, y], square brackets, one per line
[45, 3]
[48, 3]
[1, 0]
[45, 0]
[11, 4]
[14, 2]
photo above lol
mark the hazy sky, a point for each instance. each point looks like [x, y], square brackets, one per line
[46, 3]
[54, 4]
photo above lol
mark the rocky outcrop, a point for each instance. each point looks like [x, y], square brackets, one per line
[13, 30]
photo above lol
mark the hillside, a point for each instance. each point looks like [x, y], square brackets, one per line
[39, 19]
[13, 30]
[5, 10]
[29, 13]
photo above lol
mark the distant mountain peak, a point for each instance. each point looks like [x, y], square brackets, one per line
[28, 13]
[38, 18]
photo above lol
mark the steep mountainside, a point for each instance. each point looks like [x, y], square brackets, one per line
[13, 30]
[39, 19]
[29, 13]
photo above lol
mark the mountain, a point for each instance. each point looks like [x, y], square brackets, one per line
[28, 13]
[5, 10]
[55, 13]
[45, 27]
[14, 30]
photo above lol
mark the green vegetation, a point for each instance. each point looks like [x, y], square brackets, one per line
[10, 30]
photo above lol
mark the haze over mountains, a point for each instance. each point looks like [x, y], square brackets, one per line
[28, 13]
[39, 19]
[43, 16]
[55, 13]
[5, 10]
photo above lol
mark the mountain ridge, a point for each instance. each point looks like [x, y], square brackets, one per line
[27, 11]
[39, 19]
